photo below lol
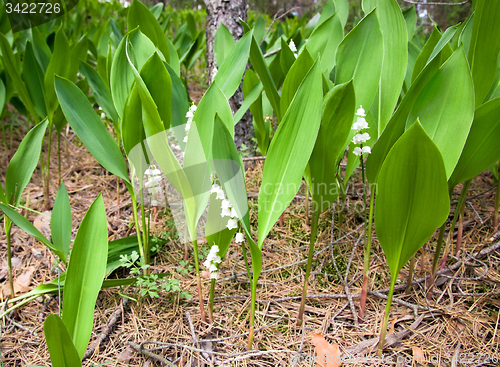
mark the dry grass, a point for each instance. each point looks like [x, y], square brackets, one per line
[459, 324]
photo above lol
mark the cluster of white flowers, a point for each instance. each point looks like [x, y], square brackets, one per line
[153, 184]
[212, 262]
[361, 137]
[189, 115]
[293, 48]
[227, 209]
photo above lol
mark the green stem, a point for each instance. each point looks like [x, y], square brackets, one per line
[47, 177]
[211, 301]
[145, 234]
[8, 225]
[368, 231]
[383, 330]
[306, 205]
[315, 220]
[198, 278]
[59, 157]
[136, 221]
[253, 296]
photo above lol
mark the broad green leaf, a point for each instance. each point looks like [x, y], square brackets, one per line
[324, 41]
[89, 128]
[180, 103]
[395, 40]
[100, 90]
[442, 46]
[213, 102]
[41, 49]
[287, 57]
[412, 198]
[426, 52]
[132, 128]
[289, 152]
[228, 165]
[61, 348]
[260, 67]
[85, 274]
[294, 79]
[58, 65]
[140, 15]
[121, 75]
[231, 71]
[342, 8]
[413, 52]
[223, 43]
[61, 222]
[174, 58]
[251, 95]
[23, 163]
[251, 83]
[481, 149]
[10, 65]
[368, 5]
[157, 80]
[259, 30]
[336, 121]
[445, 108]
[33, 77]
[396, 126]
[359, 58]
[20, 221]
[484, 47]
[78, 54]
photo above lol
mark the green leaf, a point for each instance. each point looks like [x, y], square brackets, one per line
[121, 75]
[446, 106]
[180, 103]
[61, 222]
[412, 199]
[140, 15]
[157, 80]
[426, 52]
[336, 121]
[213, 102]
[223, 43]
[61, 348]
[251, 93]
[85, 275]
[231, 71]
[359, 58]
[410, 16]
[33, 77]
[324, 41]
[260, 67]
[41, 49]
[2, 97]
[100, 90]
[484, 47]
[481, 149]
[251, 85]
[23, 163]
[20, 221]
[89, 128]
[10, 66]
[392, 26]
[289, 152]
[294, 78]
[442, 46]
[59, 66]
[132, 128]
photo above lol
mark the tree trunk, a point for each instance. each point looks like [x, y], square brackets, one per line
[228, 12]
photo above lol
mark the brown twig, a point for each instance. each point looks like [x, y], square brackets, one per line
[435, 3]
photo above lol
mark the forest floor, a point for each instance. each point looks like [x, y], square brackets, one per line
[458, 326]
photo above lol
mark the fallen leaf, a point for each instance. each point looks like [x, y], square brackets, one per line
[205, 274]
[15, 261]
[21, 283]
[418, 355]
[327, 355]
[126, 355]
[392, 329]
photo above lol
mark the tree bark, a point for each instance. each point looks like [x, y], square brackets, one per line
[228, 13]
